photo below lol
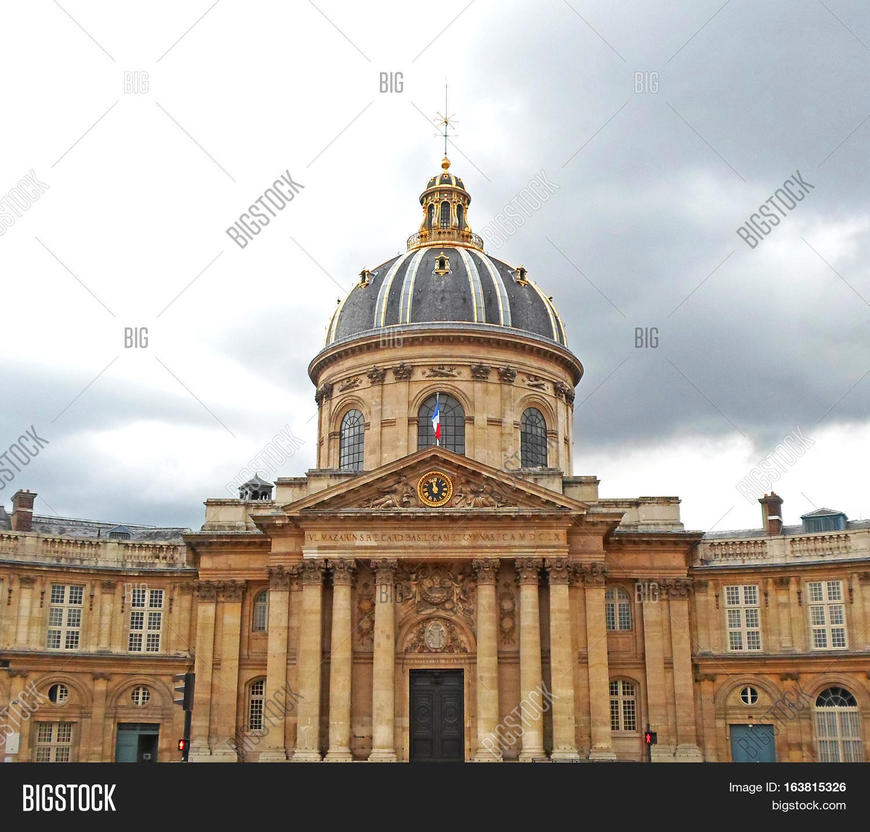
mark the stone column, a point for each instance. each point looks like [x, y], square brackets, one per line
[856, 608]
[531, 674]
[224, 726]
[561, 661]
[488, 749]
[309, 662]
[679, 591]
[781, 600]
[654, 653]
[384, 665]
[206, 608]
[276, 659]
[41, 596]
[594, 576]
[340, 662]
[20, 714]
[708, 711]
[107, 597]
[98, 718]
[25, 604]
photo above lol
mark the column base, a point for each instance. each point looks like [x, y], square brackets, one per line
[688, 754]
[565, 755]
[273, 756]
[383, 756]
[534, 756]
[600, 755]
[208, 757]
[306, 757]
[338, 755]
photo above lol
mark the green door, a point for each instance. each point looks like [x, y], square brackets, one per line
[136, 742]
[753, 744]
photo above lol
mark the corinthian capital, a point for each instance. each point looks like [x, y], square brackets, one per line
[342, 571]
[486, 569]
[559, 570]
[528, 570]
[385, 570]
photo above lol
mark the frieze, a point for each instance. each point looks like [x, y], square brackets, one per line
[446, 537]
[441, 372]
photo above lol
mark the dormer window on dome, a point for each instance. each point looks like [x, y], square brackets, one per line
[442, 264]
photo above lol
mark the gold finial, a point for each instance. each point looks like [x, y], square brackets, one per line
[445, 163]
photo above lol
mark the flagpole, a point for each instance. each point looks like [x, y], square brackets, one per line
[437, 440]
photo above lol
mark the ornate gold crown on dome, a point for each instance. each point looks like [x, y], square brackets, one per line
[445, 213]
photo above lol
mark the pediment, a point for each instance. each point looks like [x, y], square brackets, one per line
[474, 487]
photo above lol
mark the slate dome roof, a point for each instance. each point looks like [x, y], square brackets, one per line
[474, 288]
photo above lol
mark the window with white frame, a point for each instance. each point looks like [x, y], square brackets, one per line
[743, 617]
[146, 620]
[838, 727]
[256, 697]
[260, 615]
[617, 608]
[53, 742]
[827, 615]
[64, 617]
[623, 705]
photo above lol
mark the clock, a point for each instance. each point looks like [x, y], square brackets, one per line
[434, 488]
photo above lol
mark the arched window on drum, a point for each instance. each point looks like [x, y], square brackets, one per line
[351, 443]
[451, 418]
[533, 439]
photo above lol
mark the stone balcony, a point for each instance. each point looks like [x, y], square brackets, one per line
[795, 548]
[125, 554]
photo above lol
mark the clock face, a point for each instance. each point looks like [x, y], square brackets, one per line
[434, 488]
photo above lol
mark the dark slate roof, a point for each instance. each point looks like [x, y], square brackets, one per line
[479, 289]
[823, 512]
[444, 179]
[67, 527]
[787, 531]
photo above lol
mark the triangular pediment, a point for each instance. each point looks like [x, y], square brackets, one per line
[471, 485]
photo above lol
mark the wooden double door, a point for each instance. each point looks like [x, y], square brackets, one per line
[437, 729]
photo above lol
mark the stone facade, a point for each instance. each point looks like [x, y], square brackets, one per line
[405, 601]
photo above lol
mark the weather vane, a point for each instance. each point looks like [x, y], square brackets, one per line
[445, 119]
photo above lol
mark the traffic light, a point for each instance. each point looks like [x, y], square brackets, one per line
[184, 685]
[183, 745]
[650, 738]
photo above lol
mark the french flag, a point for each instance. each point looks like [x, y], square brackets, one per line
[436, 420]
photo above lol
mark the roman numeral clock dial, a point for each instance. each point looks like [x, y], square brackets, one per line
[434, 488]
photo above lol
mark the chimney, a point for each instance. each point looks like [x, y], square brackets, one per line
[771, 513]
[22, 510]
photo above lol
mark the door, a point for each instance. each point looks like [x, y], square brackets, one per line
[136, 743]
[753, 744]
[437, 728]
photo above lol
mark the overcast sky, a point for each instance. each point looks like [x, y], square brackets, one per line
[153, 126]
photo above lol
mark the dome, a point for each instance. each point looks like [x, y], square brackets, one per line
[441, 284]
[445, 279]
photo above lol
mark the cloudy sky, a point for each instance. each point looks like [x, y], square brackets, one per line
[144, 130]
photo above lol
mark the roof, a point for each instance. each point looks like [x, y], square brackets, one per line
[478, 289]
[823, 512]
[69, 527]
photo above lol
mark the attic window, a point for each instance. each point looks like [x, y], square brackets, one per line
[442, 264]
[119, 533]
[365, 277]
[521, 274]
[833, 522]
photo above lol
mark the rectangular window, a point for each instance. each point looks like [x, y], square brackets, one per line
[743, 617]
[64, 617]
[53, 742]
[827, 615]
[145, 627]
